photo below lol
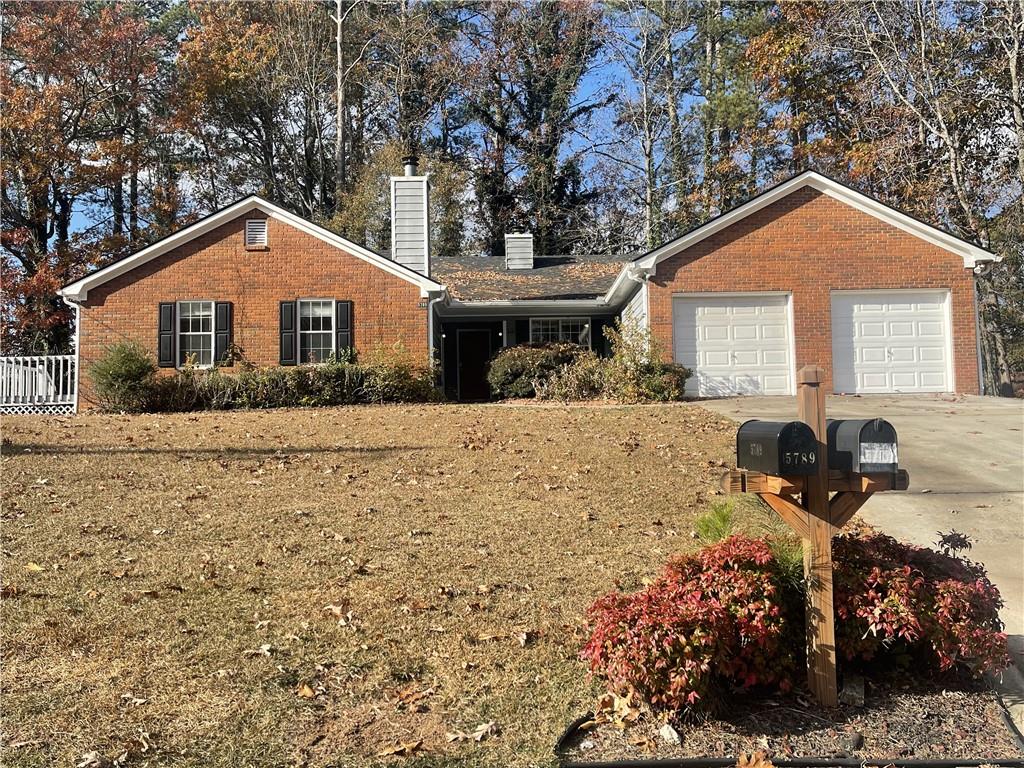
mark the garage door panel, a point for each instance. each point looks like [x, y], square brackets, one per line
[734, 344]
[903, 355]
[890, 342]
[715, 333]
[870, 355]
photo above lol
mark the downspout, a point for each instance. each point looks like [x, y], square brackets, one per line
[430, 333]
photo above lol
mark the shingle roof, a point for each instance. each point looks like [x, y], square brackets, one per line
[481, 278]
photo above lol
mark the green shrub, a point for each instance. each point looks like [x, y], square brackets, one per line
[582, 379]
[123, 378]
[636, 372]
[388, 377]
[516, 371]
[717, 523]
[392, 376]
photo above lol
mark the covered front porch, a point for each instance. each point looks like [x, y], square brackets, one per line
[469, 334]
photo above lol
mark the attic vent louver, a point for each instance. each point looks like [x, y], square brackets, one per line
[518, 251]
[255, 233]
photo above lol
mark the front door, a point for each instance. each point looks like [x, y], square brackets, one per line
[474, 352]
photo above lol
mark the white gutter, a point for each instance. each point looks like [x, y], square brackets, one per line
[528, 305]
[631, 272]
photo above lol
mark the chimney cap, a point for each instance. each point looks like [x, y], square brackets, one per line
[409, 162]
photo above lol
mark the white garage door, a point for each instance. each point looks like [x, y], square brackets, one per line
[735, 345]
[891, 341]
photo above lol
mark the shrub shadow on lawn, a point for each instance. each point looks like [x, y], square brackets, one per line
[13, 449]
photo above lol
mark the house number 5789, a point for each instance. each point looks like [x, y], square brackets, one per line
[792, 458]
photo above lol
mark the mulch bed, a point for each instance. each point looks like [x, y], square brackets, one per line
[902, 718]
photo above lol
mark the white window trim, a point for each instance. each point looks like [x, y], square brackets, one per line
[589, 322]
[178, 363]
[300, 332]
[266, 234]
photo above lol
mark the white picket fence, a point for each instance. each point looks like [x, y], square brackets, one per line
[38, 384]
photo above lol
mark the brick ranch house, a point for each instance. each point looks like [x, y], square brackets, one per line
[810, 271]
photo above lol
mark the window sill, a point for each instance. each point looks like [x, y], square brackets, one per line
[257, 247]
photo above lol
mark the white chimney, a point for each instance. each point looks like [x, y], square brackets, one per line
[410, 220]
[518, 250]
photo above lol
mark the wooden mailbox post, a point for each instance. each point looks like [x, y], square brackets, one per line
[816, 518]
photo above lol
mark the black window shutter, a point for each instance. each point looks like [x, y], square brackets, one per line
[222, 322]
[343, 321]
[289, 334]
[165, 335]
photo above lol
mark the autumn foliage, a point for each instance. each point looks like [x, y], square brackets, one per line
[728, 618]
[895, 598]
[710, 621]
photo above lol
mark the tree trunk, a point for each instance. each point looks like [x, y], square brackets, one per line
[996, 369]
[340, 182]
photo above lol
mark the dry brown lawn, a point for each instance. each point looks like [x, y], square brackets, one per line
[321, 587]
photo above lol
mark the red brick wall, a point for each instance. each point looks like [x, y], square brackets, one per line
[810, 244]
[216, 266]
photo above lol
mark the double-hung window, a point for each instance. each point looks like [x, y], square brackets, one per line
[316, 330]
[195, 333]
[575, 330]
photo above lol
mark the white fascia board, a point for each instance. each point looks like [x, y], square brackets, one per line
[971, 254]
[78, 291]
[525, 306]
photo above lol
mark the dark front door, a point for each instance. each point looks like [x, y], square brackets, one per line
[473, 354]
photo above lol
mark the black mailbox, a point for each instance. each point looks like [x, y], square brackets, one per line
[777, 448]
[861, 445]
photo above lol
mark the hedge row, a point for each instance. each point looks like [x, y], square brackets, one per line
[126, 379]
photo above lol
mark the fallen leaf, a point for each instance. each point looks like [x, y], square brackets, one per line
[93, 760]
[34, 568]
[306, 692]
[526, 636]
[481, 732]
[264, 650]
[401, 749]
[756, 760]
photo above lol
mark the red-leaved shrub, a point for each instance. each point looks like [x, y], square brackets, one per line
[894, 597]
[709, 621]
[729, 617]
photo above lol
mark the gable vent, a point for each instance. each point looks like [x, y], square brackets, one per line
[518, 251]
[255, 233]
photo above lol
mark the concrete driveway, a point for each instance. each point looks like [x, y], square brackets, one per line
[965, 456]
